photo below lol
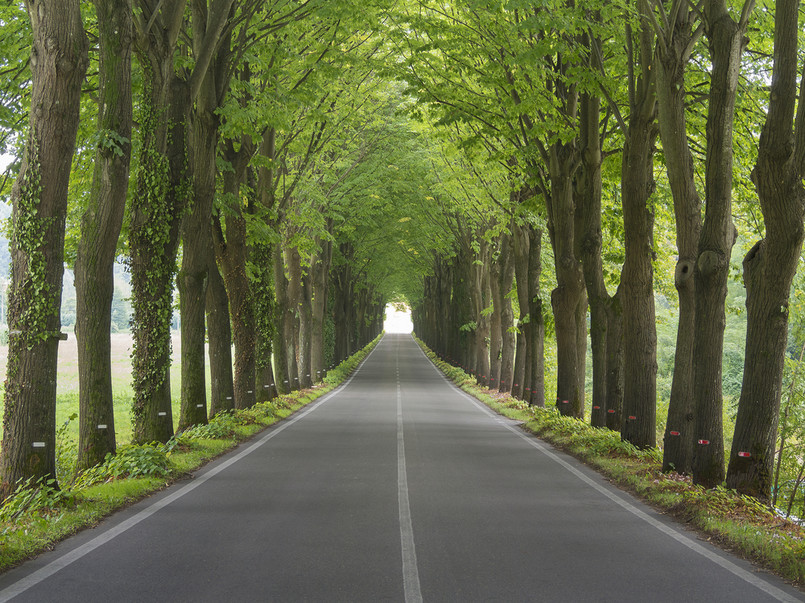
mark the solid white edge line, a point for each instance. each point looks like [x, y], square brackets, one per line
[56, 565]
[728, 565]
[410, 569]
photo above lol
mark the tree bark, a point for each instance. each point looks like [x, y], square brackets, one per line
[637, 275]
[344, 304]
[502, 352]
[615, 365]
[770, 265]
[568, 299]
[100, 231]
[197, 245]
[711, 271]
[589, 195]
[522, 354]
[535, 356]
[305, 337]
[219, 332]
[154, 222]
[673, 54]
[288, 332]
[231, 250]
[39, 198]
[320, 273]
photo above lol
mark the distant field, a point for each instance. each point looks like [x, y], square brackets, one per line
[67, 385]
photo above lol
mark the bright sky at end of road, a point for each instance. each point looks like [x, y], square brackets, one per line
[398, 321]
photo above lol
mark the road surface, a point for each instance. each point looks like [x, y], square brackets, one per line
[396, 487]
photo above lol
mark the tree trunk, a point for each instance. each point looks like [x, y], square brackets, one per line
[637, 275]
[711, 271]
[479, 359]
[320, 272]
[615, 377]
[770, 265]
[196, 257]
[495, 323]
[154, 224]
[303, 351]
[442, 309]
[673, 55]
[100, 231]
[222, 395]
[590, 208]
[231, 250]
[461, 316]
[522, 353]
[39, 198]
[535, 356]
[343, 304]
[288, 327]
[568, 299]
[502, 280]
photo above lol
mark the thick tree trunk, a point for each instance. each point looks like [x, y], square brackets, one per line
[522, 352]
[320, 273]
[262, 287]
[495, 329]
[461, 316]
[615, 376]
[479, 359]
[637, 275]
[288, 331]
[39, 198]
[589, 195]
[294, 329]
[535, 356]
[770, 265]
[222, 395]
[568, 299]
[154, 227]
[502, 278]
[304, 347]
[673, 55]
[100, 231]
[196, 257]
[344, 305]
[711, 271]
[442, 309]
[231, 250]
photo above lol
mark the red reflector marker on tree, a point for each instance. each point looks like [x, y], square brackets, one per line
[744, 455]
[704, 442]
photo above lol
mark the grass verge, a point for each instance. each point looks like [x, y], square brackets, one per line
[37, 515]
[740, 524]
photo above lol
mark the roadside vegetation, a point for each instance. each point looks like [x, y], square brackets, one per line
[736, 522]
[39, 513]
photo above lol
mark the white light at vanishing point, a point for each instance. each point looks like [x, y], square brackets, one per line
[398, 321]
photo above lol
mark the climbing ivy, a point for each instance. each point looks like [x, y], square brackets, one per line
[33, 301]
[151, 272]
[261, 276]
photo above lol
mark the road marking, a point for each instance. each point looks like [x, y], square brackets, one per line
[413, 592]
[56, 565]
[726, 564]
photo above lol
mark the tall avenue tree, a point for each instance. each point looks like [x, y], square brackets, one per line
[58, 63]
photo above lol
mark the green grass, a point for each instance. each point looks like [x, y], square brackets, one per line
[740, 523]
[39, 516]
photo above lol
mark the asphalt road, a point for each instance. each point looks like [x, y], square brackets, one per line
[396, 487]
